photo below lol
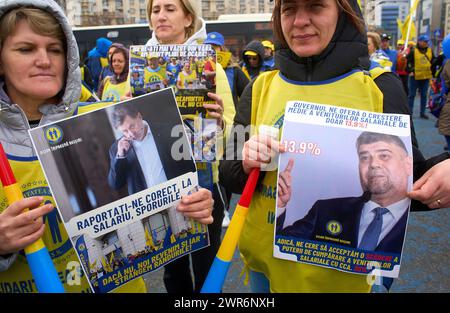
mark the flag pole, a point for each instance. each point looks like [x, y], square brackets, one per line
[219, 269]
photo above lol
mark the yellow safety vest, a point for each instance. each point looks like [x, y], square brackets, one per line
[422, 64]
[82, 72]
[18, 278]
[154, 78]
[86, 94]
[269, 96]
[184, 80]
[104, 62]
[113, 92]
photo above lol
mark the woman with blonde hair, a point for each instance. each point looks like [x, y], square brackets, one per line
[377, 56]
[179, 22]
[322, 58]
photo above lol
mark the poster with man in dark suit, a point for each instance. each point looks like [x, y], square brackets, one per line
[351, 221]
[126, 187]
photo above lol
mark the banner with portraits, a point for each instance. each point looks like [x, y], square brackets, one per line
[190, 70]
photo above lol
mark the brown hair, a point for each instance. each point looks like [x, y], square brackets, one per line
[190, 7]
[343, 5]
[121, 112]
[40, 21]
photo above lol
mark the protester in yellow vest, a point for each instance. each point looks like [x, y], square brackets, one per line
[179, 22]
[187, 77]
[116, 87]
[236, 77]
[154, 75]
[30, 97]
[316, 63]
[418, 66]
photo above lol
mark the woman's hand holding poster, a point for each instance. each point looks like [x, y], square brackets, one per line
[342, 188]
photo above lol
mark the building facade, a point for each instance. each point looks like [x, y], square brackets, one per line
[104, 12]
[212, 9]
[446, 17]
[382, 14]
[116, 12]
[138, 238]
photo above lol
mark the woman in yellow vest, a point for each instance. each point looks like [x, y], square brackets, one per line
[419, 61]
[322, 58]
[40, 84]
[116, 87]
[179, 22]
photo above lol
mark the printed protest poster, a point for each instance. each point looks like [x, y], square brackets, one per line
[189, 69]
[117, 175]
[342, 188]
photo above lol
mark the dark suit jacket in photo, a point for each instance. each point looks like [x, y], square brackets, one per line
[347, 212]
[127, 171]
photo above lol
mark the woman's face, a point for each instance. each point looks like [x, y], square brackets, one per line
[32, 65]
[169, 21]
[308, 25]
[118, 63]
[111, 51]
[370, 45]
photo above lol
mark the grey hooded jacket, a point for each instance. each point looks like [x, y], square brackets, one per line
[13, 122]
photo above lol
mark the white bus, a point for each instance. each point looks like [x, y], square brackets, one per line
[238, 30]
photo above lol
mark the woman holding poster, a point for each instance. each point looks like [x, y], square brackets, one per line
[179, 22]
[40, 83]
[322, 57]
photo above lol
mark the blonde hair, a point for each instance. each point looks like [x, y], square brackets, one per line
[376, 39]
[40, 21]
[190, 7]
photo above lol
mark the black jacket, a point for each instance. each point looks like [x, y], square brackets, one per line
[347, 51]
[258, 48]
[238, 83]
[127, 171]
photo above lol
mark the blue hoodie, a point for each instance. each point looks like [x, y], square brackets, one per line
[101, 48]
[93, 62]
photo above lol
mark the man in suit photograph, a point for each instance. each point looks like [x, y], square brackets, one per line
[141, 158]
[374, 221]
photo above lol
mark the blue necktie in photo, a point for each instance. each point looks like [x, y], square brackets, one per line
[369, 241]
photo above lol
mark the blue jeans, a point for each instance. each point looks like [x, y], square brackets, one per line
[422, 85]
[448, 142]
[258, 282]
